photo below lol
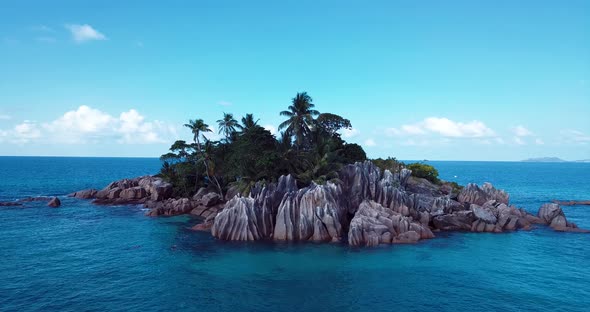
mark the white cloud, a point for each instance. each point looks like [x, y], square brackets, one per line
[134, 129]
[271, 128]
[518, 141]
[575, 136]
[521, 131]
[539, 141]
[83, 33]
[370, 143]
[225, 103]
[89, 125]
[349, 133]
[21, 133]
[443, 127]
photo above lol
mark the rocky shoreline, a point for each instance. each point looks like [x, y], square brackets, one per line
[367, 207]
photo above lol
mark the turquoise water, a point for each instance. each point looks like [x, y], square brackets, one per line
[82, 257]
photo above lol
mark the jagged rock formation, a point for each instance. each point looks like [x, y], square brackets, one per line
[154, 193]
[84, 194]
[129, 191]
[553, 216]
[253, 217]
[374, 224]
[314, 213]
[473, 194]
[369, 207]
[366, 208]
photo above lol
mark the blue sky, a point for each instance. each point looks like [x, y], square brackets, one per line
[447, 80]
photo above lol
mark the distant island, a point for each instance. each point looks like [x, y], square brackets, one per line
[553, 160]
[544, 159]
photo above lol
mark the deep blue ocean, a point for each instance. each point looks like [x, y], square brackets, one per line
[81, 257]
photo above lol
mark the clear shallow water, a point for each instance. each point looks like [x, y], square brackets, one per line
[82, 257]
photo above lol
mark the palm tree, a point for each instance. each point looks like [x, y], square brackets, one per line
[227, 125]
[248, 123]
[198, 126]
[300, 120]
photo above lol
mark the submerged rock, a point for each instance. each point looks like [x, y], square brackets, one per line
[10, 204]
[55, 202]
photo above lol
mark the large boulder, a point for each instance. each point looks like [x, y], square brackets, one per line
[133, 193]
[423, 186]
[473, 194]
[54, 202]
[374, 224]
[553, 216]
[170, 207]
[241, 220]
[159, 190]
[253, 217]
[84, 194]
[211, 199]
[550, 211]
[314, 213]
[484, 214]
[200, 193]
[456, 221]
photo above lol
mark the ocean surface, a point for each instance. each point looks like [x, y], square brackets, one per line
[81, 257]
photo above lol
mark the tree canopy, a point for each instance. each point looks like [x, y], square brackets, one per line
[309, 147]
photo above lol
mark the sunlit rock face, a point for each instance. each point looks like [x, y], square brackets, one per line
[374, 224]
[320, 213]
[370, 207]
[474, 194]
[366, 207]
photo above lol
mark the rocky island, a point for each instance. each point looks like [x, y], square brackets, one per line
[311, 185]
[369, 207]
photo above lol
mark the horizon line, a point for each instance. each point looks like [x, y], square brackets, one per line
[414, 160]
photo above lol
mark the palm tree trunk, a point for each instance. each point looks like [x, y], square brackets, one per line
[196, 164]
[207, 170]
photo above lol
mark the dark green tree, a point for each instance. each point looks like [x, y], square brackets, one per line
[300, 120]
[248, 123]
[227, 125]
[197, 127]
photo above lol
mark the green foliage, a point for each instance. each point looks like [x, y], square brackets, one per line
[300, 118]
[310, 149]
[331, 123]
[425, 171]
[253, 155]
[353, 153]
[227, 125]
[391, 164]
